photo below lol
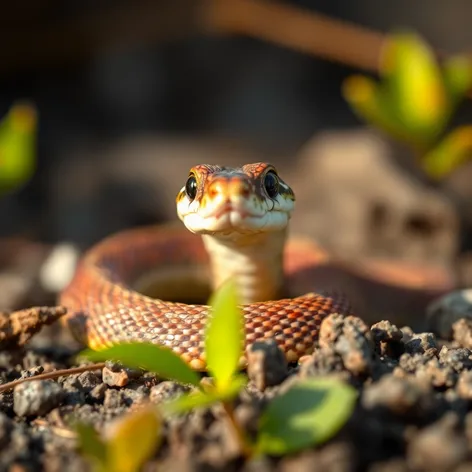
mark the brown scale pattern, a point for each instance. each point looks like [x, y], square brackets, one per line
[103, 309]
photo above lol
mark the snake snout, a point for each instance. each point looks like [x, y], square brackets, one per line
[229, 188]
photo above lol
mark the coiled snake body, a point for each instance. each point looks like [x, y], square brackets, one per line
[242, 216]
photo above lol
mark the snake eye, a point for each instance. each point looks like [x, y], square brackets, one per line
[191, 187]
[271, 184]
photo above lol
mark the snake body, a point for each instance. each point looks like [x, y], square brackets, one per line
[242, 216]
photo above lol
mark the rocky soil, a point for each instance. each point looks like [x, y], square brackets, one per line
[414, 411]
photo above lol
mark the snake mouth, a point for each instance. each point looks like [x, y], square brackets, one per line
[229, 208]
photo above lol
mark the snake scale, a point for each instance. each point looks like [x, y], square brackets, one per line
[242, 216]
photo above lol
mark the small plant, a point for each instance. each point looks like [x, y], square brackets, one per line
[308, 413]
[17, 147]
[415, 101]
[131, 440]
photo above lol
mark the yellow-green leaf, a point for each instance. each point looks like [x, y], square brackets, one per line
[454, 150]
[151, 357]
[457, 73]
[17, 146]
[368, 100]
[415, 85]
[309, 413]
[201, 399]
[92, 446]
[224, 335]
[133, 439]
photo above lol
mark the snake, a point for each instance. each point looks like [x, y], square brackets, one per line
[137, 284]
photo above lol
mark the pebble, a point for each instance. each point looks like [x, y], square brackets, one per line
[445, 311]
[167, 390]
[423, 343]
[37, 397]
[115, 374]
[267, 365]
[400, 396]
[352, 339]
[440, 376]
[458, 359]
[388, 339]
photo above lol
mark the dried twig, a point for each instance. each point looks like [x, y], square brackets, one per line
[52, 375]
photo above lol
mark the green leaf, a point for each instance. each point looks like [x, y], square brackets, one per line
[369, 101]
[151, 357]
[224, 335]
[457, 73]
[17, 146]
[309, 413]
[454, 150]
[135, 437]
[201, 399]
[414, 83]
[91, 445]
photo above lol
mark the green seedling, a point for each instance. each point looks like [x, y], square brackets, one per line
[308, 413]
[17, 147]
[130, 441]
[415, 100]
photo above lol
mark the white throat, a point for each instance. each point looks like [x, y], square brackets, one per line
[255, 260]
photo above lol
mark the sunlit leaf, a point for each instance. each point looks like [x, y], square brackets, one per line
[415, 85]
[309, 413]
[224, 334]
[151, 357]
[17, 146]
[201, 399]
[457, 73]
[369, 101]
[134, 439]
[92, 446]
[455, 149]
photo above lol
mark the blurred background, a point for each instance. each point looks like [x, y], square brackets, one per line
[130, 94]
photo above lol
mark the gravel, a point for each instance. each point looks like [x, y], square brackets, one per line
[414, 411]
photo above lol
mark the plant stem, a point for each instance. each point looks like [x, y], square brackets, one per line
[52, 375]
[246, 447]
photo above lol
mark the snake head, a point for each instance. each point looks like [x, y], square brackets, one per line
[229, 201]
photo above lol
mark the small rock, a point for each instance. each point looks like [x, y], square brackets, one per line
[351, 338]
[115, 374]
[462, 333]
[438, 375]
[323, 361]
[445, 311]
[98, 392]
[458, 358]
[89, 380]
[407, 332]
[37, 397]
[113, 399]
[167, 390]
[412, 362]
[387, 339]
[267, 365]
[115, 379]
[401, 396]
[423, 343]
[439, 446]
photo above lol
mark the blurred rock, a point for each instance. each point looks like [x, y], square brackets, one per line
[353, 197]
[444, 312]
